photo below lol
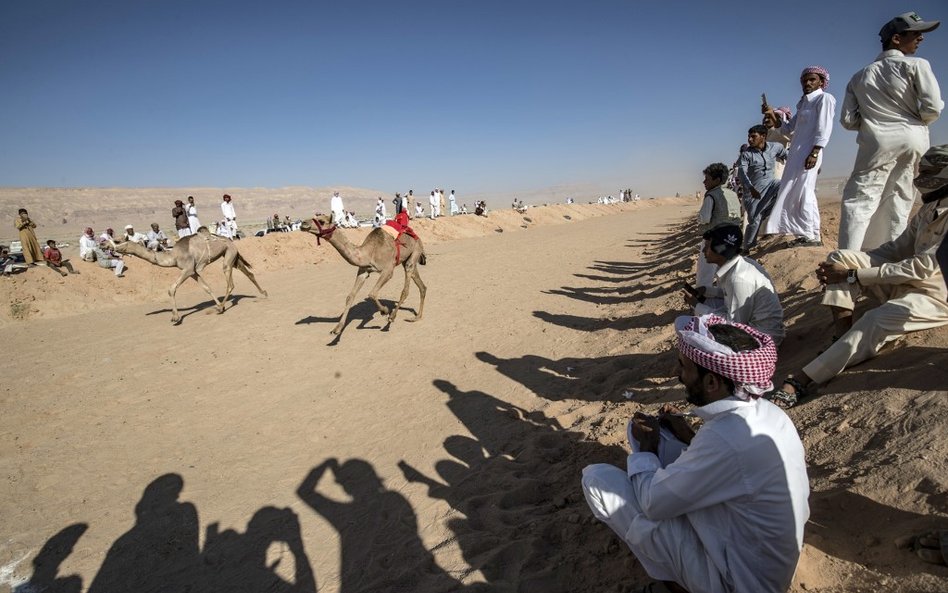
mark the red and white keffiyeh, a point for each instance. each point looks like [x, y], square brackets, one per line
[751, 371]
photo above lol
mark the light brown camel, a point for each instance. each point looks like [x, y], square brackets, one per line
[378, 253]
[190, 255]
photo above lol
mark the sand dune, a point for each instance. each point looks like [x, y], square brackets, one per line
[443, 455]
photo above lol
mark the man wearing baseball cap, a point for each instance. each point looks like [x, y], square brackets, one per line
[890, 103]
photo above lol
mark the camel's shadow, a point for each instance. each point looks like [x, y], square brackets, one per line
[364, 312]
[202, 306]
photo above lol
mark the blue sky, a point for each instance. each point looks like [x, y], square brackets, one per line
[478, 96]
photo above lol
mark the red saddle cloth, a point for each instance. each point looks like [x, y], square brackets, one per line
[397, 228]
[400, 224]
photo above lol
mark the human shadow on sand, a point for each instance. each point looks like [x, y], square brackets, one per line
[521, 519]
[380, 545]
[852, 527]
[160, 553]
[586, 379]
[46, 577]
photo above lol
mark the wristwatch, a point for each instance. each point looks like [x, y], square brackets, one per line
[851, 277]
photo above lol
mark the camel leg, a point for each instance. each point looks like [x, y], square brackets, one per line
[243, 268]
[416, 276]
[218, 304]
[361, 276]
[229, 276]
[185, 274]
[384, 277]
[404, 295]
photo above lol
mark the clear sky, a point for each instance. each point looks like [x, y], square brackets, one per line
[475, 95]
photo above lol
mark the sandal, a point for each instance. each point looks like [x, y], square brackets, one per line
[932, 547]
[784, 398]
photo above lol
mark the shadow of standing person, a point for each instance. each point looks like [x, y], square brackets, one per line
[159, 552]
[47, 562]
[378, 531]
[237, 563]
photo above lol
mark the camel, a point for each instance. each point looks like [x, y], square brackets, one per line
[190, 255]
[378, 253]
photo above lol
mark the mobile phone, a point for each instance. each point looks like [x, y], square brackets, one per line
[691, 289]
[763, 99]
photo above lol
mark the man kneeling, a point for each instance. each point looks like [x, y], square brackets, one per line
[726, 513]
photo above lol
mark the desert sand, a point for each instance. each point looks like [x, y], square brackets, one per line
[233, 450]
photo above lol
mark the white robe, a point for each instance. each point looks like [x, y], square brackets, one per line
[796, 211]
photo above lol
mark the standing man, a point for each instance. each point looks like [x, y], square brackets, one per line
[230, 216]
[193, 220]
[441, 204]
[756, 170]
[31, 247]
[433, 204]
[720, 510]
[337, 209]
[180, 216]
[454, 203]
[890, 103]
[796, 211]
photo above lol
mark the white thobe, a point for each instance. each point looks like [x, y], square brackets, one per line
[87, 247]
[727, 515]
[749, 296]
[904, 275]
[193, 220]
[796, 212]
[230, 218]
[338, 210]
[891, 103]
[454, 203]
[433, 204]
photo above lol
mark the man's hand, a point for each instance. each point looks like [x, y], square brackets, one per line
[672, 418]
[690, 299]
[829, 273]
[810, 162]
[645, 430]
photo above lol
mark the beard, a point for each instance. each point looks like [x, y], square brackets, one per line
[696, 395]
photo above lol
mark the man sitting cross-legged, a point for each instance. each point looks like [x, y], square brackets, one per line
[747, 291]
[902, 274]
[726, 514]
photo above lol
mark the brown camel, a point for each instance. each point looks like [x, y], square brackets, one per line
[190, 255]
[378, 253]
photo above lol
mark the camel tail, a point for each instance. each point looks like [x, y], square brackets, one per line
[240, 262]
[423, 259]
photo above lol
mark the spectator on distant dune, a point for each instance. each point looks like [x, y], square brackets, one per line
[180, 216]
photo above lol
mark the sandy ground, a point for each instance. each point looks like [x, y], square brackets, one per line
[249, 450]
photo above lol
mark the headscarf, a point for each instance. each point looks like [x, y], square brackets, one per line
[819, 71]
[784, 110]
[751, 371]
[933, 170]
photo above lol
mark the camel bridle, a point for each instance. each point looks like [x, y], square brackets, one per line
[324, 232]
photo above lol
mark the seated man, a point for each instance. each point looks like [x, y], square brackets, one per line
[8, 264]
[747, 291]
[131, 235]
[105, 259]
[902, 274]
[87, 245]
[157, 240]
[725, 514]
[54, 259]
